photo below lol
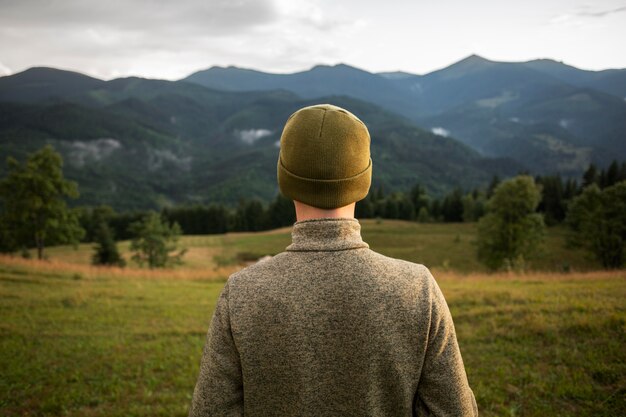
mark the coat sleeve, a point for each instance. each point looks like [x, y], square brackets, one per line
[219, 389]
[443, 389]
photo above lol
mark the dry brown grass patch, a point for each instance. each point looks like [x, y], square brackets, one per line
[91, 272]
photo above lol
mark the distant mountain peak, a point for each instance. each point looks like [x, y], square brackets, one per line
[340, 66]
[219, 68]
[554, 61]
[467, 65]
[47, 72]
[474, 59]
[397, 75]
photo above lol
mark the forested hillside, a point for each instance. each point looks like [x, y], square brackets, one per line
[135, 143]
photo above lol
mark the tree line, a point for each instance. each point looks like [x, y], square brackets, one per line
[34, 213]
[414, 205]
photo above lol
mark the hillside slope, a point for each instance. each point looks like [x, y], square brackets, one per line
[137, 143]
[498, 108]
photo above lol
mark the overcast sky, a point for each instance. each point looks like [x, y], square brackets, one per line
[171, 39]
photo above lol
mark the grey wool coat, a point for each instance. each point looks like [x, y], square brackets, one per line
[332, 328]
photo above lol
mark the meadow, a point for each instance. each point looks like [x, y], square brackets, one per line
[444, 246]
[77, 340]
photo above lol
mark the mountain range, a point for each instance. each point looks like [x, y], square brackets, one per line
[548, 116]
[137, 143]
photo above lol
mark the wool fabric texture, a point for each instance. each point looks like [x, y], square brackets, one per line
[331, 328]
[324, 158]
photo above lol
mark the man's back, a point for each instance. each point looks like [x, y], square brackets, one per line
[332, 328]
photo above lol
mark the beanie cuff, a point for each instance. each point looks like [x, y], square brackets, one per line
[324, 194]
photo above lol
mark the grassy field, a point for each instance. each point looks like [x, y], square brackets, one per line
[82, 341]
[439, 246]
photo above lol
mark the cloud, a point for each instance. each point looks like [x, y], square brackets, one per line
[603, 12]
[307, 12]
[249, 136]
[170, 40]
[195, 16]
[159, 158]
[584, 12]
[440, 131]
[82, 152]
[140, 37]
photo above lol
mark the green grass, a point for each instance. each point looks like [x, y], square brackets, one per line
[78, 341]
[543, 346]
[105, 347]
[437, 245]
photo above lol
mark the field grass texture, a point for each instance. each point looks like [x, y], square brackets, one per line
[77, 340]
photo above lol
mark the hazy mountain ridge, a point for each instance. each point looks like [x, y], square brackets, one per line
[319, 81]
[39, 84]
[137, 143]
[610, 81]
[580, 111]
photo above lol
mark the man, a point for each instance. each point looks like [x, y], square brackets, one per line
[330, 327]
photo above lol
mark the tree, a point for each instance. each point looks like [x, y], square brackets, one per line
[105, 251]
[391, 208]
[552, 202]
[154, 241]
[452, 207]
[473, 206]
[612, 174]
[511, 230]
[597, 219]
[250, 216]
[281, 212]
[365, 208]
[495, 181]
[34, 211]
[419, 198]
[91, 217]
[423, 216]
[590, 176]
[406, 209]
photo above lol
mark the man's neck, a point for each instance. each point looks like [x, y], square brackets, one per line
[306, 212]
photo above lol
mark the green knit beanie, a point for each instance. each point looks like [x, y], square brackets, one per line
[324, 158]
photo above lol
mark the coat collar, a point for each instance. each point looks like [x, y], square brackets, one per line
[326, 234]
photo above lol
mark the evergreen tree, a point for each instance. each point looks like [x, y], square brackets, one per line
[473, 206]
[105, 251]
[602, 179]
[217, 219]
[452, 207]
[435, 210]
[418, 197]
[552, 202]
[34, 211]
[406, 210]
[612, 174]
[622, 172]
[495, 181]
[365, 208]
[590, 176]
[257, 219]
[571, 190]
[281, 212]
[423, 216]
[511, 230]
[379, 194]
[391, 209]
